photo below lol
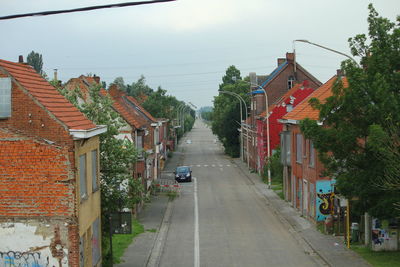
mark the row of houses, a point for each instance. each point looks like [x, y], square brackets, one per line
[275, 122]
[50, 212]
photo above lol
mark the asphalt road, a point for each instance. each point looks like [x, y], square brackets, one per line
[220, 219]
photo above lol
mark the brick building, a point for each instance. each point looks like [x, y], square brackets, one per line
[276, 111]
[49, 179]
[276, 84]
[304, 185]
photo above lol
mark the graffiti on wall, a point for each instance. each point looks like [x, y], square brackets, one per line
[323, 199]
[22, 259]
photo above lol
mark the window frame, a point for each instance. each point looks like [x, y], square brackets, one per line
[299, 148]
[95, 170]
[83, 182]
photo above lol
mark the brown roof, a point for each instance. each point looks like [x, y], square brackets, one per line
[47, 95]
[129, 108]
[305, 110]
[35, 175]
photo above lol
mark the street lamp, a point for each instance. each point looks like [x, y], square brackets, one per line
[321, 46]
[241, 118]
[262, 90]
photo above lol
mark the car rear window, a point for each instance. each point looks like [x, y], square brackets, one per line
[182, 169]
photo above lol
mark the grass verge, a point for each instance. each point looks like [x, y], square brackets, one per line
[379, 259]
[122, 241]
[278, 189]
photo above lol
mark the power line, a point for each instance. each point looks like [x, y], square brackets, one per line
[81, 9]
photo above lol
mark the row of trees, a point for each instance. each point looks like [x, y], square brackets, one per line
[226, 114]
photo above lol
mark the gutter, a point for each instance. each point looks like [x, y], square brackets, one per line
[84, 134]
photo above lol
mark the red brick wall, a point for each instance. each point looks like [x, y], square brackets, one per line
[35, 179]
[33, 120]
[73, 248]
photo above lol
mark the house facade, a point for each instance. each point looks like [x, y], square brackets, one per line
[50, 175]
[305, 186]
[276, 85]
[276, 111]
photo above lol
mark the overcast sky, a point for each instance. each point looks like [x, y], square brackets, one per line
[185, 46]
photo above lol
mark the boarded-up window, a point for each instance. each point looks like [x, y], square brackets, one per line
[95, 168]
[299, 148]
[82, 176]
[312, 154]
[96, 253]
[5, 97]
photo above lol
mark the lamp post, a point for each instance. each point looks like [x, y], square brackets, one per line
[262, 90]
[320, 46]
[241, 118]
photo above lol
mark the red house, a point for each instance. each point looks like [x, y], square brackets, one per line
[276, 111]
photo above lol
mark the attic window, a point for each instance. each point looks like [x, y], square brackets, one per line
[290, 82]
[5, 97]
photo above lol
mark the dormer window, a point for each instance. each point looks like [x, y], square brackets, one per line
[290, 82]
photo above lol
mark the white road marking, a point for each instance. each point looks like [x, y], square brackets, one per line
[228, 165]
[198, 165]
[196, 227]
[213, 165]
[205, 165]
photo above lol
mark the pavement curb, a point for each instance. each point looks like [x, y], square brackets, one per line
[154, 256]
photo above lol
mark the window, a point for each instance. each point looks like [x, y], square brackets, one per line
[5, 97]
[82, 176]
[299, 146]
[312, 154]
[95, 171]
[290, 82]
[96, 242]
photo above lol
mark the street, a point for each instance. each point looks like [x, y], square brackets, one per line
[220, 219]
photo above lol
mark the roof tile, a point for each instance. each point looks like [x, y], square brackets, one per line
[46, 94]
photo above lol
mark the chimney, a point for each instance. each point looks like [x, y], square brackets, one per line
[281, 61]
[290, 57]
[21, 59]
[96, 78]
[339, 73]
[55, 75]
[253, 78]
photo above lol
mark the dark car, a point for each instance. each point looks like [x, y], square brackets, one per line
[183, 174]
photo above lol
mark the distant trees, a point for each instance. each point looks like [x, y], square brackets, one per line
[226, 115]
[360, 144]
[36, 61]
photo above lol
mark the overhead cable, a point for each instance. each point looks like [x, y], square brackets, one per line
[82, 9]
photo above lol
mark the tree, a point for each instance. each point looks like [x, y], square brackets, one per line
[36, 61]
[119, 81]
[359, 145]
[226, 114]
[232, 74]
[140, 89]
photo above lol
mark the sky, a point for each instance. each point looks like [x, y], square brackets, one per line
[185, 46]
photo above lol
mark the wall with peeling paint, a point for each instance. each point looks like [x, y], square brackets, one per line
[33, 243]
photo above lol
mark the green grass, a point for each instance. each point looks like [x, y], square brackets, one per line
[278, 189]
[122, 241]
[379, 259]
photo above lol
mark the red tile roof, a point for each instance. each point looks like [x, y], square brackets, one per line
[130, 109]
[47, 95]
[305, 110]
[33, 178]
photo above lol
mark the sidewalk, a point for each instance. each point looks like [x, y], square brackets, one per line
[145, 248]
[331, 249]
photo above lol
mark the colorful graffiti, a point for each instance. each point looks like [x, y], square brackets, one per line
[324, 194]
[22, 259]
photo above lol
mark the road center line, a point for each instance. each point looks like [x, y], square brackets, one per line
[196, 227]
